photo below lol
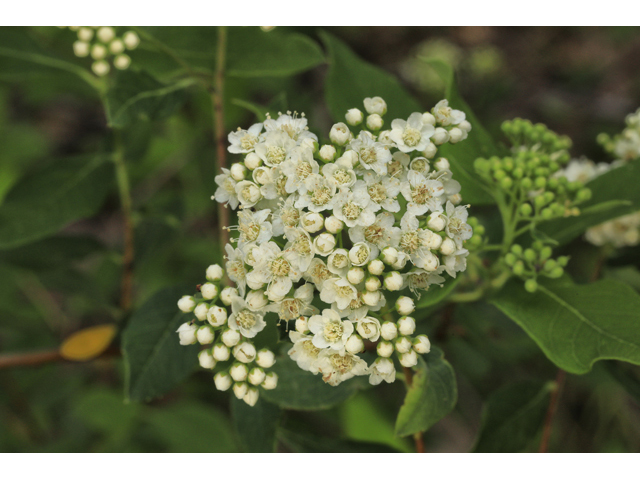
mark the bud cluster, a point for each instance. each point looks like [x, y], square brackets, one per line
[102, 44]
[347, 224]
[227, 335]
[624, 146]
[532, 262]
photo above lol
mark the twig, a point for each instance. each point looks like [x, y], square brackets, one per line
[124, 190]
[218, 126]
[31, 359]
[551, 411]
[417, 437]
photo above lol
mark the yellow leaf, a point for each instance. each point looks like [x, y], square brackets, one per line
[88, 343]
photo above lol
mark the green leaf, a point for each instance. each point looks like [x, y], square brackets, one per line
[479, 143]
[192, 427]
[256, 426]
[301, 390]
[309, 443]
[53, 252]
[616, 189]
[254, 53]
[155, 362]
[576, 325]
[44, 203]
[432, 395]
[138, 96]
[350, 80]
[513, 416]
[258, 110]
[436, 294]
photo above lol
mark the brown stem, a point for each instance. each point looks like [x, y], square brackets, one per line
[218, 127]
[417, 437]
[31, 359]
[551, 411]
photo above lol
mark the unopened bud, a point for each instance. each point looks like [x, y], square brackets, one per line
[209, 291]
[205, 335]
[405, 306]
[265, 358]
[187, 304]
[222, 381]
[230, 337]
[354, 117]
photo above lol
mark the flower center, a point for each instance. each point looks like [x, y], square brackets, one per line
[290, 217]
[321, 196]
[420, 194]
[341, 176]
[340, 261]
[368, 155]
[310, 349]
[280, 182]
[248, 141]
[344, 291]
[320, 272]
[249, 231]
[377, 192]
[236, 270]
[342, 364]
[419, 165]
[410, 242]
[302, 246]
[230, 186]
[362, 255]
[303, 170]
[276, 155]
[280, 267]
[373, 234]
[246, 319]
[351, 211]
[290, 309]
[411, 137]
[333, 330]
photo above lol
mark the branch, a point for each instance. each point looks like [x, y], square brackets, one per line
[551, 411]
[32, 359]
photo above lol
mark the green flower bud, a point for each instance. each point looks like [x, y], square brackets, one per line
[526, 183]
[518, 268]
[526, 210]
[517, 172]
[530, 255]
[583, 195]
[563, 261]
[540, 182]
[516, 249]
[550, 265]
[546, 213]
[506, 183]
[556, 272]
[499, 174]
[510, 259]
[545, 253]
[531, 285]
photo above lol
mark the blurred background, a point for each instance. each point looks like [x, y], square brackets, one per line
[578, 81]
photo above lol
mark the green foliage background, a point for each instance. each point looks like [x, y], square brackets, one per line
[61, 243]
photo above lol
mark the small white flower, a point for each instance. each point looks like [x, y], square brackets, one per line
[403, 345]
[205, 335]
[275, 149]
[457, 262]
[292, 308]
[329, 330]
[412, 134]
[131, 40]
[256, 376]
[333, 224]
[359, 254]
[81, 49]
[98, 52]
[338, 262]
[312, 222]
[248, 323]
[187, 333]
[336, 367]
[457, 227]
[375, 105]
[324, 244]
[240, 390]
[355, 275]
[105, 34]
[448, 246]
[389, 255]
[371, 298]
[222, 380]
[405, 306]
[378, 234]
[354, 344]
[302, 325]
[382, 369]
[440, 136]
[373, 155]
[248, 193]
[238, 171]
[340, 173]
[327, 153]
[421, 344]
[337, 290]
[376, 267]
[226, 192]
[445, 115]
[369, 328]
[236, 269]
[265, 358]
[422, 194]
[245, 141]
[304, 352]
[372, 284]
[319, 195]
[408, 359]
[298, 168]
[437, 221]
[252, 161]
[354, 117]
[187, 304]
[430, 150]
[227, 294]
[354, 207]
[340, 134]
[383, 191]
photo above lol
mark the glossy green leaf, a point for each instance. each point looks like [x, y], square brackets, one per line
[478, 144]
[350, 80]
[254, 53]
[301, 390]
[576, 325]
[138, 96]
[618, 185]
[437, 294]
[155, 362]
[432, 395]
[192, 427]
[513, 416]
[256, 426]
[44, 203]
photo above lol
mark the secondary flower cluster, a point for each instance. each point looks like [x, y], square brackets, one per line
[327, 236]
[626, 145]
[101, 43]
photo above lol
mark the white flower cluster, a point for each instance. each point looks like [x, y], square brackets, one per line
[626, 145]
[619, 232]
[234, 332]
[327, 237]
[101, 43]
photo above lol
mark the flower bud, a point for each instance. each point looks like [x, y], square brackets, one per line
[352, 156]
[265, 358]
[354, 117]
[81, 49]
[206, 360]
[187, 304]
[369, 328]
[388, 330]
[252, 161]
[327, 153]
[421, 344]
[85, 34]
[442, 164]
[399, 263]
[222, 381]
[385, 349]
[437, 222]
[333, 224]
[116, 46]
[428, 119]
[376, 267]
[230, 337]
[270, 381]
[245, 352]
[374, 122]
[355, 275]
[106, 34]
[239, 372]
[98, 52]
[405, 306]
[209, 291]
[465, 126]
[448, 246]
[431, 262]
[375, 105]
[406, 325]
[240, 390]
[440, 136]
[256, 300]
[227, 295]
[409, 359]
[100, 68]
[372, 284]
[393, 281]
[251, 397]
[455, 135]
[217, 316]
[312, 222]
[340, 134]
[256, 376]
[187, 333]
[430, 151]
[324, 244]
[131, 40]
[201, 311]
[220, 352]
[302, 325]
[205, 335]
[389, 255]
[359, 254]
[214, 273]
[122, 61]
[354, 344]
[248, 193]
[403, 345]
[371, 298]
